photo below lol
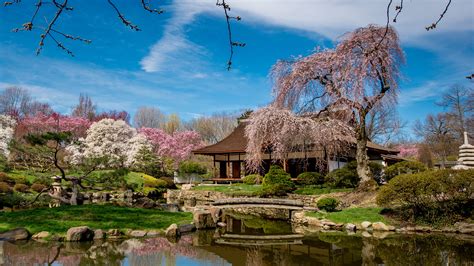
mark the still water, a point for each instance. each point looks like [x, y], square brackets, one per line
[250, 241]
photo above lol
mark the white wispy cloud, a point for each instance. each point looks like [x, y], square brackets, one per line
[327, 18]
[174, 49]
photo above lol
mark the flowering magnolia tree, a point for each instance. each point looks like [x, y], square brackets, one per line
[281, 132]
[114, 142]
[359, 75]
[7, 128]
[177, 146]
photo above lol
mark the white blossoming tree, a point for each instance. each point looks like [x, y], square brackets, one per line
[113, 142]
[7, 128]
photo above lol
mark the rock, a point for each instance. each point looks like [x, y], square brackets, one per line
[137, 233]
[114, 233]
[57, 238]
[216, 213]
[365, 225]
[379, 226]
[41, 235]
[366, 234]
[326, 227]
[172, 231]
[145, 203]
[99, 234]
[313, 221]
[153, 233]
[15, 234]
[328, 223]
[221, 224]
[351, 227]
[186, 228]
[80, 233]
[170, 207]
[203, 219]
[422, 229]
[191, 202]
[391, 228]
[380, 235]
[465, 228]
[187, 186]
[299, 217]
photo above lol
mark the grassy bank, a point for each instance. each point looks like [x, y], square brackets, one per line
[234, 189]
[308, 190]
[59, 220]
[352, 215]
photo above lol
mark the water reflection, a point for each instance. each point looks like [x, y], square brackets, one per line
[249, 242]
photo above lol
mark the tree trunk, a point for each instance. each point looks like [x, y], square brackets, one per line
[363, 171]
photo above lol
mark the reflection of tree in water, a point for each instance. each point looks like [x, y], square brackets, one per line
[425, 250]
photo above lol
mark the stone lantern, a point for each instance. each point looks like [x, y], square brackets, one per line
[466, 155]
[56, 190]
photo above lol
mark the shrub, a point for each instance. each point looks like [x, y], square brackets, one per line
[310, 178]
[327, 204]
[276, 182]
[405, 167]
[342, 178]
[6, 178]
[150, 181]
[252, 179]
[21, 188]
[442, 196]
[37, 187]
[192, 168]
[4, 187]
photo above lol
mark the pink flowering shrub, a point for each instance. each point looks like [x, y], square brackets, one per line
[408, 150]
[177, 146]
[55, 122]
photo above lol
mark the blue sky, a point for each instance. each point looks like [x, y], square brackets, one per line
[177, 62]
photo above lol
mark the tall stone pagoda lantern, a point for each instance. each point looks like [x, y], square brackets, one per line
[466, 155]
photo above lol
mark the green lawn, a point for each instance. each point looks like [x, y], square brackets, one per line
[352, 215]
[319, 191]
[59, 220]
[235, 189]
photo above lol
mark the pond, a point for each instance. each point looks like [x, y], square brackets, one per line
[249, 241]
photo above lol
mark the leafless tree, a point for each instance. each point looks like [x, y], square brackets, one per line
[85, 108]
[459, 102]
[384, 125]
[438, 135]
[150, 117]
[215, 127]
[18, 102]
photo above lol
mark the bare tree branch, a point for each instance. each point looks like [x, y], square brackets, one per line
[147, 7]
[126, 22]
[433, 26]
[232, 43]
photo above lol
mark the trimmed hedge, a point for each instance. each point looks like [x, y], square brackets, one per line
[21, 188]
[327, 204]
[405, 167]
[252, 179]
[310, 178]
[441, 196]
[192, 168]
[276, 182]
[37, 187]
[5, 188]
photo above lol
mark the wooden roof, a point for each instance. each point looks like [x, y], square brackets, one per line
[236, 142]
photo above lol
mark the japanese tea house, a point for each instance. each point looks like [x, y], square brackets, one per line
[229, 157]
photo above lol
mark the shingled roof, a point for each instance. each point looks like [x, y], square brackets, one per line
[236, 142]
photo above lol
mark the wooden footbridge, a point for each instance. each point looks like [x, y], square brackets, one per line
[259, 202]
[280, 209]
